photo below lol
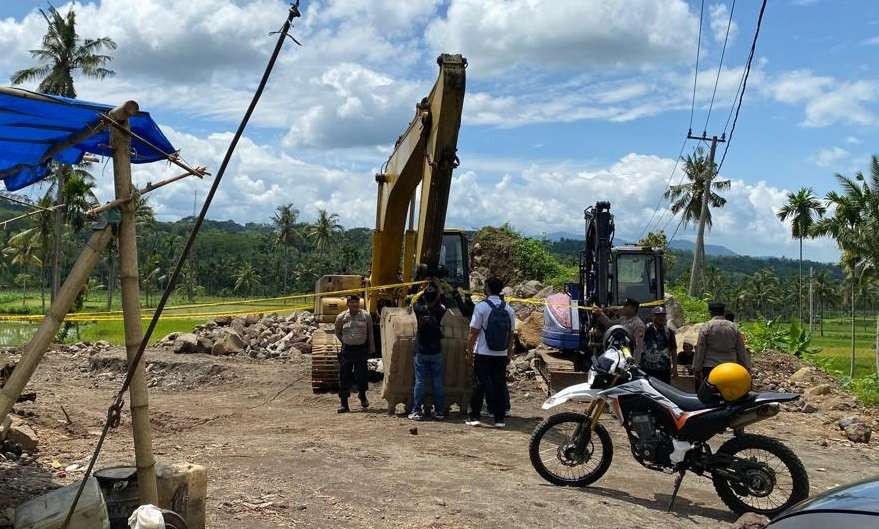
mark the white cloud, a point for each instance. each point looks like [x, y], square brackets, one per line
[852, 140]
[720, 19]
[873, 41]
[497, 35]
[827, 100]
[830, 156]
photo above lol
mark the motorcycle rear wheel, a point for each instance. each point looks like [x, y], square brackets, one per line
[789, 482]
[551, 445]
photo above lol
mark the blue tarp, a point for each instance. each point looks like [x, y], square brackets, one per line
[30, 126]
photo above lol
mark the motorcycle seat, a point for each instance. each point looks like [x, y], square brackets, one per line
[682, 399]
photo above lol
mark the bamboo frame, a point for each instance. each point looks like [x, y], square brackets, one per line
[129, 278]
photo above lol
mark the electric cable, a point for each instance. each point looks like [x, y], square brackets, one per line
[744, 84]
[115, 409]
[720, 64]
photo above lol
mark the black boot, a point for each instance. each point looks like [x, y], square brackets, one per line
[343, 406]
[363, 402]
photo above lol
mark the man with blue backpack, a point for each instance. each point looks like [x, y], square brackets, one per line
[490, 344]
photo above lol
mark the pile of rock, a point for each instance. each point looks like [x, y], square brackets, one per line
[257, 336]
[821, 394]
[89, 348]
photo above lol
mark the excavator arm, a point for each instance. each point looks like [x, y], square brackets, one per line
[425, 155]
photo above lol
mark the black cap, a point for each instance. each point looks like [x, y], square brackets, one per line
[716, 308]
[659, 310]
[629, 302]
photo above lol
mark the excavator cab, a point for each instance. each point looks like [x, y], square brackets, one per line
[608, 276]
[454, 258]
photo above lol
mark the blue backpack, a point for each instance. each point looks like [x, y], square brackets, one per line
[498, 327]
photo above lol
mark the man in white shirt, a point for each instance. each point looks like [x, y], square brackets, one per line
[490, 344]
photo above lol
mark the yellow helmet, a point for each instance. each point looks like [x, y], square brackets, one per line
[730, 379]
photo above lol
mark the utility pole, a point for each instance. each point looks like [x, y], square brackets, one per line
[699, 253]
[811, 302]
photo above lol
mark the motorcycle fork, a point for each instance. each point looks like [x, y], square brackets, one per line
[593, 414]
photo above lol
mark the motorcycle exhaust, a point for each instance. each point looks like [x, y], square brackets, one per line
[755, 415]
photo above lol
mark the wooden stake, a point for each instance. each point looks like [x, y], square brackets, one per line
[120, 142]
[34, 350]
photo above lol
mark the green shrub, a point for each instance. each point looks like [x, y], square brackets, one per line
[866, 389]
[533, 260]
[695, 309]
[766, 335]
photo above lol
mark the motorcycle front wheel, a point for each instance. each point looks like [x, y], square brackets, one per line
[554, 454]
[777, 482]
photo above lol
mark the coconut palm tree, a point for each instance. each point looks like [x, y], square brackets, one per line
[246, 278]
[61, 55]
[324, 231]
[803, 208]
[22, 249]
[284, 220]
[686, 198]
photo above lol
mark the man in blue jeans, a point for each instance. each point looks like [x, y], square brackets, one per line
[429, 311]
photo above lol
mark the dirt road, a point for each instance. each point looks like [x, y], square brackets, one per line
[288, 460]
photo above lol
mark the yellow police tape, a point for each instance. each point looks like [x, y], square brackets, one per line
[259, 306]
[262, 308]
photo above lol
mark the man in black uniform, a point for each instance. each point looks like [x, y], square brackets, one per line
[660, 348]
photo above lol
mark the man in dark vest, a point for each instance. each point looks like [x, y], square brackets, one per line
[429, 311]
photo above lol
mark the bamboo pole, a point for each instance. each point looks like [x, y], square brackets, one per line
[128, 276]
[34, 350]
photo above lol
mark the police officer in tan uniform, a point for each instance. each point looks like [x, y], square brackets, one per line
[354, 330]
[719, 342]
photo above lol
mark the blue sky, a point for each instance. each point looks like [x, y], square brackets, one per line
[568, 102]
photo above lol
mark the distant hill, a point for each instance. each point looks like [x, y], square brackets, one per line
[680, 245]
[710, 249]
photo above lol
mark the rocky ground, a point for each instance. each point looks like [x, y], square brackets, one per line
[279, 456]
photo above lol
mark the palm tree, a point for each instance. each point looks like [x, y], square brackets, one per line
[714, 282]
[284, 220]
[826, 291]
[687, 198]
[855, 227]
[763, 290]
[43, 225]
[802, 208]
[246, 278]
[62, 54]
[79, 197]
[22, 251]
[325, 230]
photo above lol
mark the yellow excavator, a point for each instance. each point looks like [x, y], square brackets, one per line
[414, 183]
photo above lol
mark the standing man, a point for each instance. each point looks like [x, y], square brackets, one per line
[660, 348]
[719, 341]
[491, 344]
[631, 321]
[354, 330]
[429, 311]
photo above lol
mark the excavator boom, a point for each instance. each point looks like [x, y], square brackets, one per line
[425, 154]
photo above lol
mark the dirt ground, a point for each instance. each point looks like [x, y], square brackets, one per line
[279, 456]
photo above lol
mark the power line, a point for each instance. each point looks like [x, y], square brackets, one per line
[720, 64]
[662, 194]
[696, 73]
[744, 84]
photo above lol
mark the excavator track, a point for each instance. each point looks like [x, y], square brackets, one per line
[558, 370]
[325, 360]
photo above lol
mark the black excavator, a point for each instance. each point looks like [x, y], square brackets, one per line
[608, 275]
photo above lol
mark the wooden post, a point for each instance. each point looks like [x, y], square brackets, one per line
[34, 350]
[129, 279]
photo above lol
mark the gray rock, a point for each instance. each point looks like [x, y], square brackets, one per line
[204, 345]
[251, 319]
[528, 289]
[675, 312]
[186, 343]
[750, 520]
[21, 434]
[802, 376]
[820, 389]
[229, 343]
[855, 429]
